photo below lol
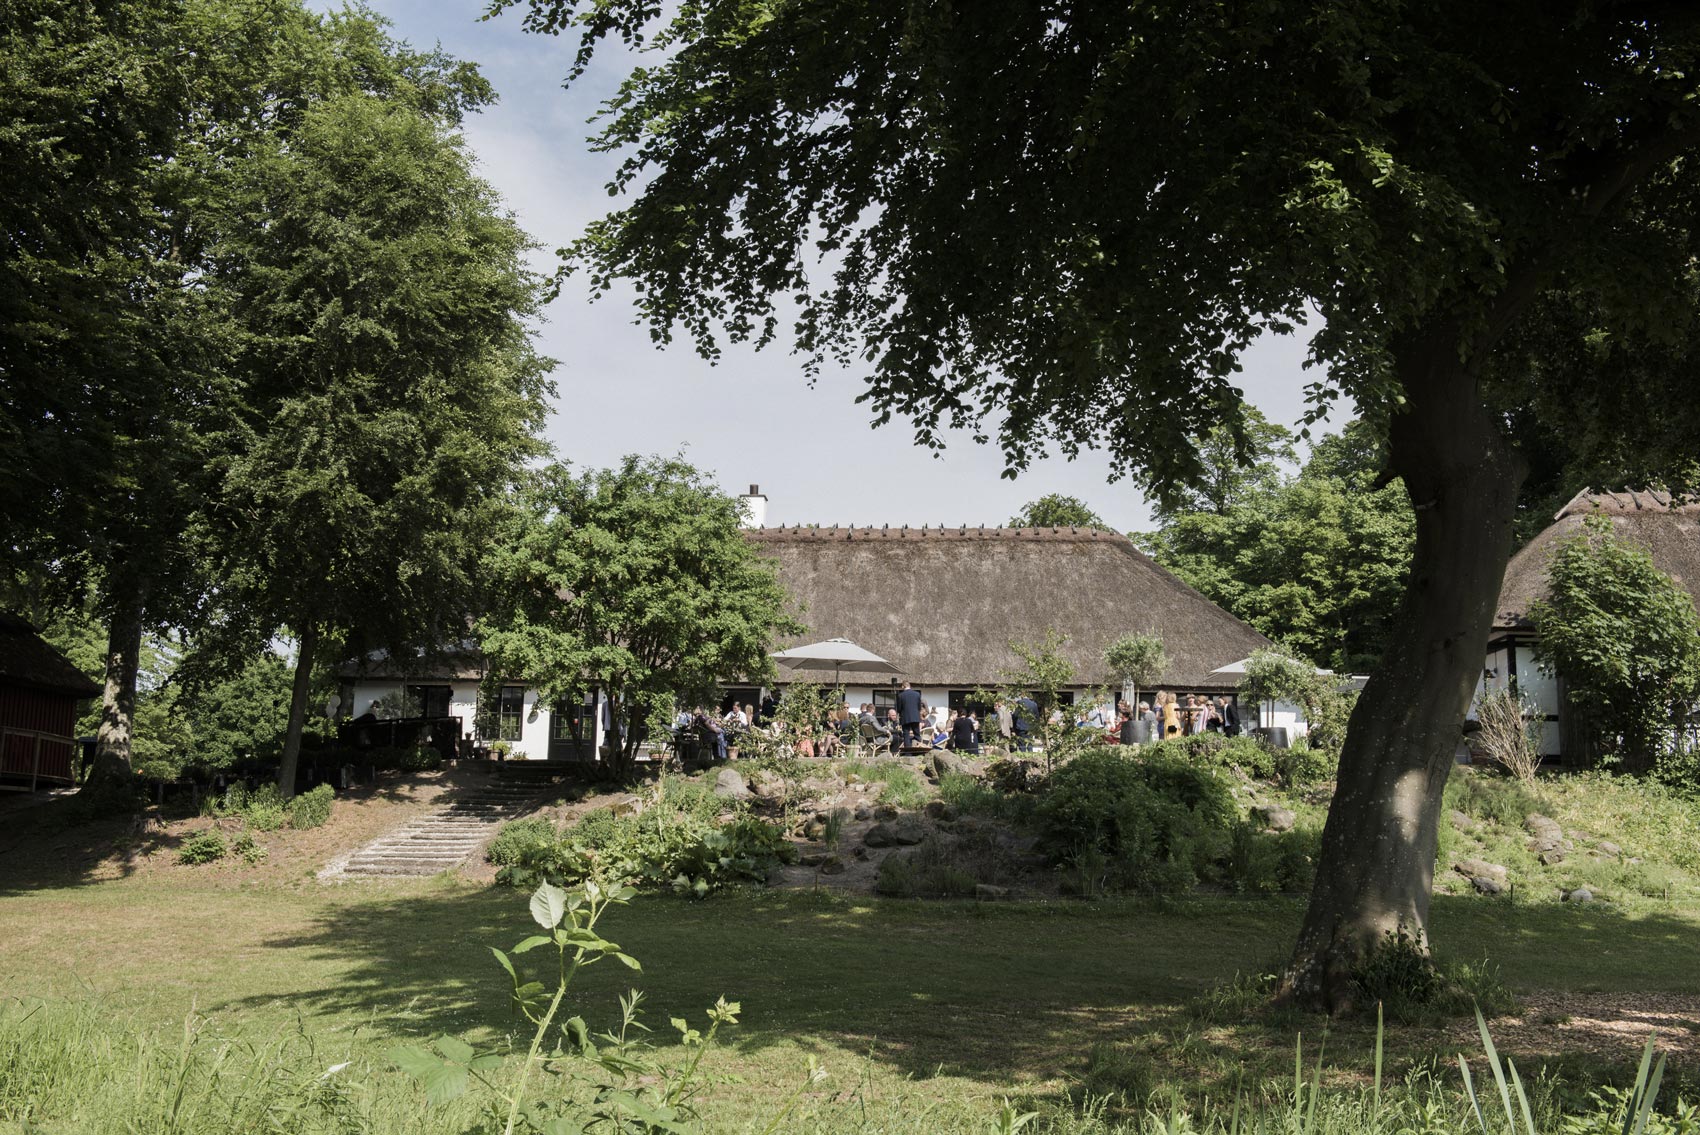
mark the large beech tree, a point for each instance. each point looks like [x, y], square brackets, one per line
[997, 208]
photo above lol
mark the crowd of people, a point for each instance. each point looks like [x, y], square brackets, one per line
[912, 725]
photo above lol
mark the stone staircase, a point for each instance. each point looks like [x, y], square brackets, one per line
[441, 838]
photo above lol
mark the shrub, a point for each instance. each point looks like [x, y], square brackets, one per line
[1159, 821]
[312, 808]
[932, 869]
[1400, 975]
[248, 848]
[1264, 862]
[1491, 798]
[903, 787]
[262, 808]
[1510, 733]
[519, 838]
[202, 847]
[405, 758]
[966, 794]
[676, 841]
[1247, 755]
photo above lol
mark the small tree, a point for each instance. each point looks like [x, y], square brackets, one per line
[1056, 511]
[1274, 675]
[802, 711]
[1139, 659]
[637, 580]
[1044, 675]
[1625, 638]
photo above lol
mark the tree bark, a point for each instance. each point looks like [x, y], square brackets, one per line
[112, 753]
[309, 641]
[1376, 865]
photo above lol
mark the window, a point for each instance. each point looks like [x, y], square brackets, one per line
[573, 718]
[433, 701]
[510, 715]
[883, 700]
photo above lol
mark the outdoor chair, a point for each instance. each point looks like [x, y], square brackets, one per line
[873, 736]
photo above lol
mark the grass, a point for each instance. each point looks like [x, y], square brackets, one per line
[945, 1007]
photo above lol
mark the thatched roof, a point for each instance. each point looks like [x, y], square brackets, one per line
[944, 603]
[26, 659]
[1670, 535]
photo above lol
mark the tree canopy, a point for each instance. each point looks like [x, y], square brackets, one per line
[636, 581]
[1055, 510]
[1316, 561]
[1000, 213]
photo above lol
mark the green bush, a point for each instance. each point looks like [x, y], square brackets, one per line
[903, 786]
[932, 869]
[520, 839]
[202, 847]
[1159, 821]
[248, 848]
[1497, 799]
[312, 808]
[1263, 862]
[404, 758]
[676, 841]
[1401, 976]
[966, 794]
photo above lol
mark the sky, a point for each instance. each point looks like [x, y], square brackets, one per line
[752, 418]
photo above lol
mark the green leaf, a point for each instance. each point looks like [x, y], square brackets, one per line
[506, 964]
[455, 1049]
[531, 943]
[627, 960]
[415, 1061]
[548, 905]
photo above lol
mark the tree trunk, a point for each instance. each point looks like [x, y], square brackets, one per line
[297, 709]
[118, 701]
[1376, 865]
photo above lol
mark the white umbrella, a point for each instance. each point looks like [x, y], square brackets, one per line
[839, 653]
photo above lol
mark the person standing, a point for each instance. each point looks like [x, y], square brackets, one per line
[1024, 715]
[1230, 715]
[909, 714]
[965, 734]
[1006, 722]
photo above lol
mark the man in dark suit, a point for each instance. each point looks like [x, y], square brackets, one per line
[909, 714]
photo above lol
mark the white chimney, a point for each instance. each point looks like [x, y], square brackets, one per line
[753, 506]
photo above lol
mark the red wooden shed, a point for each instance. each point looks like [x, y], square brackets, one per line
[39, 692]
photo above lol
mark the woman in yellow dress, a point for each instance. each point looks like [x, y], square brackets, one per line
[1171, 719]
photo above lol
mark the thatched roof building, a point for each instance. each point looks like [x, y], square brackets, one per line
[944, 603]
[1670, 535]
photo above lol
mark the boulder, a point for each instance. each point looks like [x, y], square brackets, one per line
[904, 832]
[885, 811]
[863, 812]
[1274, 817]
[832, 866]
[988, 891]
[1463, 821]
[939, 810]
[858, 852]
[1480, 869]
[1580, 894]
[1545, 833]
[730, 784]
[944, 762]
[1487, 886]
[1607, 847]
[814, 858]
[1551, 858]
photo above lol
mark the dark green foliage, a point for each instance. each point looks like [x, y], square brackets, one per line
[1159, 823]
[202, 847]
[1401, 976]
[1259, 861]
[665, 596]
[1626, 639]
[404, 758]
[1056, 511]
[1317, 560]
[942, 868]
[312, 808]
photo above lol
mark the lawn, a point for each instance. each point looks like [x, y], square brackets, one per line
[910, 1006]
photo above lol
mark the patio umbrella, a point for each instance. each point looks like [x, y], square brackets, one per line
[839, 653]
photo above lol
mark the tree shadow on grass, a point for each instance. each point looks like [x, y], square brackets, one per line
[1001, 994]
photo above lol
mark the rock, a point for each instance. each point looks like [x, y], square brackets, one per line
[987, 891]
[776, 877]
[943, 762]
[904, 832]
[863, 812]
[814, 829]
[832, 866]
[765, 785]
[1480, 869]
[858, 853]
[1487, 886]
[1462, 821]
[1580, 894]
[814, 858]
[1548, 836]
[1276, 819]
[939, 810]
[1607, 847]
[1551, 858]
[885, 811]
[730, 784]
[1318, 794]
